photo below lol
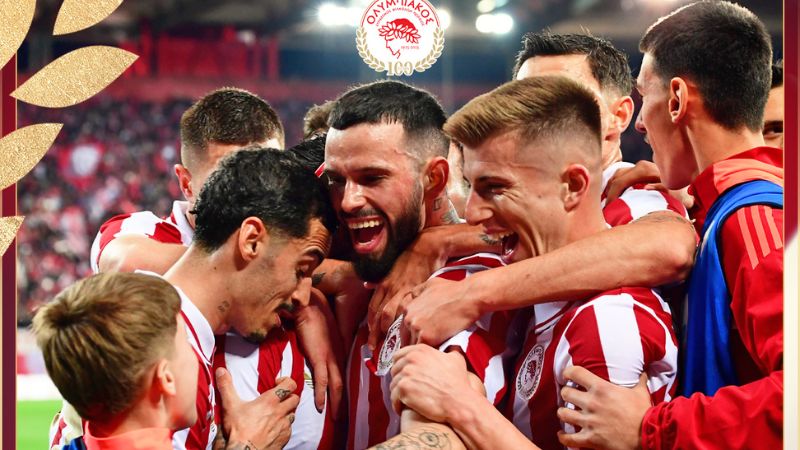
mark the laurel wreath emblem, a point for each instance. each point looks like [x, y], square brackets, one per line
[69, 80]
[379, 66]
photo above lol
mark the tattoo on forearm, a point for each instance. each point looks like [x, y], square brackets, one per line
[241, 446]
[489, 241]
[420, 439]
[316, 279]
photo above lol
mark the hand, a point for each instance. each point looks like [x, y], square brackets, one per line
[321, 345]
[437, 310]
[339, 282]
[263, 423]
[644, 172]
[415, 265]
[609, 416]
[430, 382]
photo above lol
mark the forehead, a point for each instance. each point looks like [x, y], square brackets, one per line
[646, 73]
[497, 154]
[367, 145]
[575, 67]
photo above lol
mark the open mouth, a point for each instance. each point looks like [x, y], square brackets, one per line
[366, 234]
[509, 241]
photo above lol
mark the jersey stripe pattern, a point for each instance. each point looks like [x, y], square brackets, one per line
[254, 369]
[617, 336]
[636, 202]
[174, 229]
[485, 346]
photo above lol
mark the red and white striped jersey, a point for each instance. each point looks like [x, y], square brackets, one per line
[200, 436]
[255, 368]
[616, 335]
[486, 345]
[174, 229]
[636, 202]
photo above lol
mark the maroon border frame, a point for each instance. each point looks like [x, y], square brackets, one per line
[791, 17]
[8, 207]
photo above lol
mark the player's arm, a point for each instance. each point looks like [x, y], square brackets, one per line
[339, 282]
[134, 252]
[653, 250]
[437, 386]
[425, 436]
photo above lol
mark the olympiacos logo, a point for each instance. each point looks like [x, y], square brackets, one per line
[400, 37]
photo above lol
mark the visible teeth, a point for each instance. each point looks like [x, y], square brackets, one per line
[367, 224]
[499, 236]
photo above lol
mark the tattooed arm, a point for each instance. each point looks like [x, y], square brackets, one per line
[432, 436]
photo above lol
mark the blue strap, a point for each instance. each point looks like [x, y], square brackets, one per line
[708, 362]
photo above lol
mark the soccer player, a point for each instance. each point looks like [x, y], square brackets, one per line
[773, 112]
[117, 348]
[704, 137]
[221, 122]
[651, 243]
[532, 154]
[385, 161]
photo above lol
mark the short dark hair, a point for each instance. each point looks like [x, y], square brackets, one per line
[536, 107]
[609, 66]
[311, 152]
[259, 182]
[316, 119]
[722, 47]
[777, 74]
[389, 101]
[227, 116]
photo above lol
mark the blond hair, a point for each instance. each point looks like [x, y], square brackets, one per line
[100, 336]
[537, 107]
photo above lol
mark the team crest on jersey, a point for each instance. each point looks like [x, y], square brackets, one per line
[400, 37]
[530, 373]
[390, 346]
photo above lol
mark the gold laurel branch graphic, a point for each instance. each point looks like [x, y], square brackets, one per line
[22, 149]
[438, 45]
[363, 51]
[76, 15]
[8, 230]
[15, 20]
[75, 77]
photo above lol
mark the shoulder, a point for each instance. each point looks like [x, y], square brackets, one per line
[753, 234]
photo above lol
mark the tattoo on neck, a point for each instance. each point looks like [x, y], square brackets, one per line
[437, 203]
[316, 279]
[451, 217]
[224, 306]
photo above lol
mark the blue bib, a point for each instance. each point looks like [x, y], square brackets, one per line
[708, 364]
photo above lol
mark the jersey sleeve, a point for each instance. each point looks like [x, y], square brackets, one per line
[637, 202]
[618, 337]
[142, 223]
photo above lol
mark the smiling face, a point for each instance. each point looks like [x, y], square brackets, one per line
[281, 279]
[671, 151]
[377, 193]
[515, 195]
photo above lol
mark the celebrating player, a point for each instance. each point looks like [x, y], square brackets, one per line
[710, 139]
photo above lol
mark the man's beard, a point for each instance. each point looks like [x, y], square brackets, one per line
[400, 235]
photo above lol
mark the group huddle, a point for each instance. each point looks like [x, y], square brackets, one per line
[498, 278]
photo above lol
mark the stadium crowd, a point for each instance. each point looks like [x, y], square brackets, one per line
[333, 295]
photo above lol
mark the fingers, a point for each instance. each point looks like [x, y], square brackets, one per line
[575, 396]
[230, 399]
[574, 440]
[335, 388]
[571, 416]
[388, 314]
[320, 372]
[582, 377]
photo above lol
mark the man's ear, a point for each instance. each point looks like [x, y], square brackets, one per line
[437, 170]
[576, 181]
[253, 237]
[622, 113]
[678, 99]
[164, 379]
[184, 180]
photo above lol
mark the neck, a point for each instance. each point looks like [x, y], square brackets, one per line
[712, 143]
[588, 221]
[440, 212]
[142, 415]
[612, 156]
[204, 278]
